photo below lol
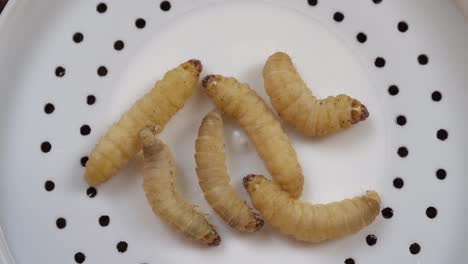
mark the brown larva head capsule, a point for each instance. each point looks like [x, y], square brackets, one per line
[207, 81]
[213, 239]
[364, 112]
[247, 179]
[193, 65]
[257, 225]
[197, 64]
[359, 112]
[252, 181]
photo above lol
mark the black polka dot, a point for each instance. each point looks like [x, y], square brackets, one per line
[84, 160]
[104, 220]
[401, 120]
[377, 1]
[436, 96]
[49, 108]
[49, 185]
[431, 212]
[140, 23]
[78, 37]
[90, 99]
[415, 248]
[338, 16]
[379, 62]
[349, 261]
[60, 71]
[423, 59]
[46, 146]
[61, 223]
[403, 152]
[371, 240]
[441, 174]
[101, 8]
[312, 2]
[122, 246]
[393, 90]
[102, 71]
[403, 26]
[398, 183]
[91, 192]
[361, 37]
[119, 45]
[165, 6]
[80, 257]
[387, 213]
[442, 134]
[85, 130]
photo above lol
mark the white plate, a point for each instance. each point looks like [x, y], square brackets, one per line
[233, 38]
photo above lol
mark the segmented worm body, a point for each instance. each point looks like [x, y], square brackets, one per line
[214, 179]
[308, 222]
[121, 143]
[159, 184]
[241, 103]
[295, 104]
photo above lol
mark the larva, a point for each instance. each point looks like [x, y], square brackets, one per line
[241, 103]
[307, 222]
[121, 143]
[159, 184]
[214, 179]
[294, 102]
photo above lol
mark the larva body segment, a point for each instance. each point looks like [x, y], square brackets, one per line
[241, 103]
[307, 222]
[214, 179]
[159, 184]
[155, 108]
[295, 103]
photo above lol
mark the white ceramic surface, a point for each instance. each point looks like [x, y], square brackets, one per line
[232, 38]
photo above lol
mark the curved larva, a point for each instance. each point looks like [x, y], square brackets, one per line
[307, 222]
[294, 102]
[121, 143]
[214, 179]
[159, 183]
[241, 103]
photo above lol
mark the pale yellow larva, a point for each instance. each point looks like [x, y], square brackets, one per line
[310, 222]
[295, 104]
[241, 103]
[214, 179]
[159, 184]
[121, 143]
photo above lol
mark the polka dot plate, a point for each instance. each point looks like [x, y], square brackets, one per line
[68, 69]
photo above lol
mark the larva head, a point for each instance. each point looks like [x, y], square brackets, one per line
[212, 239]
[209, 83]
[193, 65]
[148, 136]
[359, 112]
[252, 181]
[256, 223]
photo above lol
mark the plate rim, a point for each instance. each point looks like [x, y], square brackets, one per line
[5, 253]
[6, 256]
